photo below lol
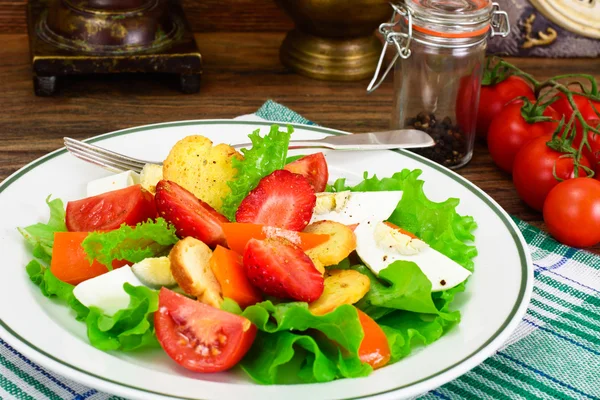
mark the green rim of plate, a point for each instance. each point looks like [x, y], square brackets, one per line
[473, 189]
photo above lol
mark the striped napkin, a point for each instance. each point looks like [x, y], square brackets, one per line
[553, 354]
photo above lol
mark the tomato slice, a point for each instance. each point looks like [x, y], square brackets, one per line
[110, 210]
[314, 168]
[374, 348]
[199, 337]
[239, 233]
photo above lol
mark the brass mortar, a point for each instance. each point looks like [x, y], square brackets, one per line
[333, 39]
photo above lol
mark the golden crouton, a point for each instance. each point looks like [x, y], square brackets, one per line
[191, 269]
[341, 243]
[203, 169]
[341, 286]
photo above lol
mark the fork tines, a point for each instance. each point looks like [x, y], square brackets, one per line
[103, 157]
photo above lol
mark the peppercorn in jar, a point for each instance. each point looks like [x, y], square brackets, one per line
[441, 46]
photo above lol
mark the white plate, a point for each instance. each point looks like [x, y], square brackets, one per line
[494, 302]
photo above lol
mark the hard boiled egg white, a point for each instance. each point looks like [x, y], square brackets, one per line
[354, 207]
[113, 182]
[378, 251]
[106, 291]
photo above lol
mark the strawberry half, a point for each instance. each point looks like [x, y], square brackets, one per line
[280, 268]
[282, 199]
[314, 168]
[188, 214]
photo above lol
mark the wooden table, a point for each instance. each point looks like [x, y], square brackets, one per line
[242, 71]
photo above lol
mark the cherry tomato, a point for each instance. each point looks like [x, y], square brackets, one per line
[584, 105]
[533, 171]
[572, 212]
[509, 132]
[493, 98]
[109, 210]
[199, 337]
[374, 348]
[593, 140]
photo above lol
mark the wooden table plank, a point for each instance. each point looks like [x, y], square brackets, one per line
[242, 70]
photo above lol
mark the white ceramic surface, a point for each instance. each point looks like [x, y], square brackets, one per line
[494, 302]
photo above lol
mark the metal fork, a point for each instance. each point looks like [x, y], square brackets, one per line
[104, 158]
[394, 139]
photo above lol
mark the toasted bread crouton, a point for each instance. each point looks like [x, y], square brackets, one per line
[190, 266]
[203, 169]
[341, 243]
[341, 286]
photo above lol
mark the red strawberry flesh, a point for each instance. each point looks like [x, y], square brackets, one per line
[282, 199]
[281, 269]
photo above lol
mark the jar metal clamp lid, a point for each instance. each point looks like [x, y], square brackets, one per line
[448, 23]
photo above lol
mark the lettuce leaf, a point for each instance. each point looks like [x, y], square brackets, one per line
[268, 153]
[51, 286]
[438, 224]
[130, 328]
[284, 351]
[146, 239]
[401, 285]
[41, 236]
[397, 299]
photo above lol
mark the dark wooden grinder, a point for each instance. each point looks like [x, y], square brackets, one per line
[68, 37]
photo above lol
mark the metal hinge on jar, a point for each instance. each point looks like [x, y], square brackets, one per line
[499, 26]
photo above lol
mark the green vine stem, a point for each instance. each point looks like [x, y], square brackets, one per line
[564, 134]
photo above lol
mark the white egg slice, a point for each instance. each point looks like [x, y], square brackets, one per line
[113, 182]
[354, 207]
[377, 252]
[106, 291]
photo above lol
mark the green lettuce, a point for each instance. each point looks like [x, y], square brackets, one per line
[400, 299]
[130, 328]
[146, 239]
[293, 345]
[41, 236]
[268, 153]
[51, 286]
[438, 224]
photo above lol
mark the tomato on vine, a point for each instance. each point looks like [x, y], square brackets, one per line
[572, 212]
[589, 109]
[494, 95]
[514, 126]
[535, 167]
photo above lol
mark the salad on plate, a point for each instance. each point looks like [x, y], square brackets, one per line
[256, 259]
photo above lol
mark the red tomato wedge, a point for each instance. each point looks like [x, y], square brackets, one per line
[69, 261]
[228, 268]
[199, 337]
[110, 210]
[374, 348]
[238, 234]
[314, 168]
[188, 214]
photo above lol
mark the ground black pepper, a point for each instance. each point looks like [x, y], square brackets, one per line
[450, 144]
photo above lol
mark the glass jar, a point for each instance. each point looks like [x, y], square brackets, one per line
[441, 45]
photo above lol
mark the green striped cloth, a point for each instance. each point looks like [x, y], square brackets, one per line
[553, 354]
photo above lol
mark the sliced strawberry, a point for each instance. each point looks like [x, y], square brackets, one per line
[313, 168]
[188, 214]
[282, 199]
[280, 268]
